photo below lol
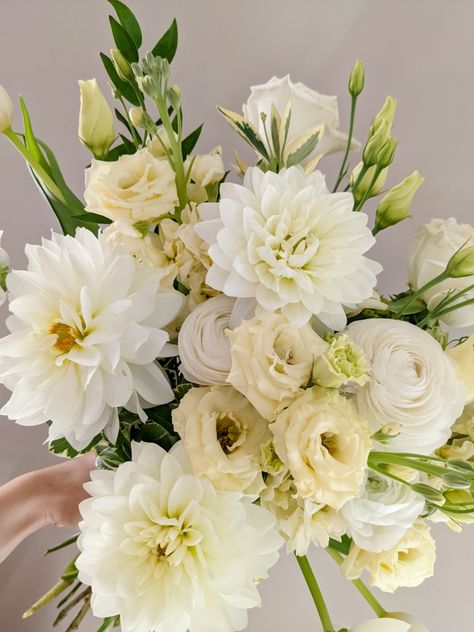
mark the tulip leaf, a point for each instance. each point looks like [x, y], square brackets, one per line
[123, 87]
[302, 146]
[123, 41]
[30, 138]
[246, 130]
[190, 141]
[168, 44]
[128, 21]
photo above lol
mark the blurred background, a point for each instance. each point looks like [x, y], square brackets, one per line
[419, 51]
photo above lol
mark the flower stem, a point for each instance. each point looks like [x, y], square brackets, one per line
[377, 172]
[362, 588]
[316, 593]
[342, 170]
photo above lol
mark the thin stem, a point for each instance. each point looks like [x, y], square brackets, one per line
[34, 164]
[377, 172]
[407, 302]
[359, 178]
[362, 588]
[342, 170]
[316, 593]
[133, 131]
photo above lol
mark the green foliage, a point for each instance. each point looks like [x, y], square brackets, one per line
[190, 141]
[62, 447]
[122, 87]
[128, 21]
[123, 41]
[168, 44]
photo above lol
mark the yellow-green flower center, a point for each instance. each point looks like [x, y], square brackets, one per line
[66, 336]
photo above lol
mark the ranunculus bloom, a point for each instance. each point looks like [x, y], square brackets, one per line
[272, 360]
[87, 326]
[136, 188]
[167, 552]
[413, 383]
[223, 434]
[324, 443]
[382, 515]
[284, 239]
[435, 243]
[203, 344]
[309, 109]
[408, 563]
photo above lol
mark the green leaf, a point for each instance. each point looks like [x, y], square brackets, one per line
[123, 41]
[190, 141]
[341, 546]
[128, 144]
[123, 87]
[155, 433]
[121, 150]
[168, 44]
[75, 204]
[128, 21]
[246, 130]
[30, 138]
[62, 447]
[302, 146]
[275, 128]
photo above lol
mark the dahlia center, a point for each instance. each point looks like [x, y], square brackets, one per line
[230, 432]
[66, 336]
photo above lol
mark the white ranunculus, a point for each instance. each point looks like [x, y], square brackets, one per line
[382, 515]
[6, 110]
[408, 563]
[413, 383]
[4, 263]
[309, 109]
[223, 434]
[285, 240]
[272, 361]
[435, 243]
[203, 344]
[167, 552]
[385, 624]
[324, 443]
[87, 326]
[136, 188]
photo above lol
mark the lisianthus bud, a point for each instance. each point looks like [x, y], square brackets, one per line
[384, 117]
[461, 263]
[362, 188]
[386, 154]
[122, 66]
[356, 80]
[395, 205]
[96, 121]
[375, 143]
[136, 116]
[6, 110]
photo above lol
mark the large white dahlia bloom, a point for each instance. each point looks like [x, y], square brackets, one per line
[86, 329]
[167, 552]
[284, 239]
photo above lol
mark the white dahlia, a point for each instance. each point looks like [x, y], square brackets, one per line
[284, 239]
[167, 552]
[86, 330]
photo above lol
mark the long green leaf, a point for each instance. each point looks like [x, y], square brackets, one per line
[190, 141]
[246, 130]
[123, 41]
[75, 204]
[128, 21]
[168, 44]
[30, 138]
[123, 87]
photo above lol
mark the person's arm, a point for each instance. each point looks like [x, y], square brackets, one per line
[36, 499]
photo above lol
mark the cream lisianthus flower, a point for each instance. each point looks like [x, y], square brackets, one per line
[408, 563]
[166, 552]
[203, 344]
[382, 515]
[413, 383]
[435, 243]
[4, 263]
[324, 443]
[136, 188]
[207, 169]
[463, 355]
[223, 434]
[343, 363]
[87, 326]
[309, 109]
[272, 360]
[285, 240]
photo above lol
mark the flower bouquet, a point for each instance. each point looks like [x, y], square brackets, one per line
[219, 342]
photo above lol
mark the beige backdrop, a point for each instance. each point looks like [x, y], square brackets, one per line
[420, 51]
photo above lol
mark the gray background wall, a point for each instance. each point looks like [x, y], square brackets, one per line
[420, 51]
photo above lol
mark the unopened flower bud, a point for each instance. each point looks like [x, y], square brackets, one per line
[6, 110]
[385, 116]
[395, 205]
[386, 154]
[96, 121]
[356, 80]
[122, 66]
[362, 190]
[375, 143]
[461, 263]
[136, 116]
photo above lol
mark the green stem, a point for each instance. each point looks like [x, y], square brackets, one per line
[316, 593]
[359, 178]
[34, 164]
[55, 591]
[377, 172]
[342, 170]
[362, 588]
[407, 302]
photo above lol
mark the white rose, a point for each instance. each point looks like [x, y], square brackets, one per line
[223, 434]
[435, 243]
[413, 383]
[203, 345]
[463, 355]
[6, 110]
[324, 443]
[272, 361]
[207, 168]
[382, 515]
[4, 263]
[309, 109]
[408, 563]
[136, 188]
